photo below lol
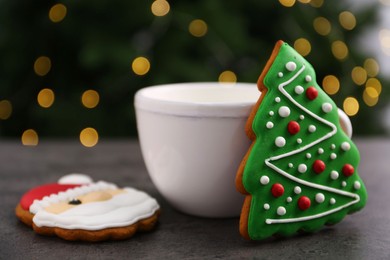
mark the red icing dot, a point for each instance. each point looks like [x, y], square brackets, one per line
[304, 203]
[293, 127]
[348, 170]
[277, 190]
[318, 166]
[311, 93]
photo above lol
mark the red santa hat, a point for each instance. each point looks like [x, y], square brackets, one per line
[65, 183]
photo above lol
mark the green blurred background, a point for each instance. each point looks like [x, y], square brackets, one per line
[71, 68]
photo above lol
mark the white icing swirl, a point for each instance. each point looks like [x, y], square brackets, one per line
[122, 210]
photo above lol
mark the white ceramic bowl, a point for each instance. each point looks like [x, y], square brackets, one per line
[193, 140]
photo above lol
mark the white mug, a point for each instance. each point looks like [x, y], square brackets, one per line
[193, 139]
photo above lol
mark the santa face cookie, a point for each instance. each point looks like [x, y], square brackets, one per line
[301, 171]
[87, 211]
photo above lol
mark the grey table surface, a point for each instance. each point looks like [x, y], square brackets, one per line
[363, 235]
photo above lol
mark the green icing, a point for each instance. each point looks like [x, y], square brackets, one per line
[339, 194]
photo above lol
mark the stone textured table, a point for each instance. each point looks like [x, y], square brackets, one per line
[364, 235]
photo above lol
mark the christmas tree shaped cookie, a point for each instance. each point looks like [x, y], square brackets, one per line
[301, 171]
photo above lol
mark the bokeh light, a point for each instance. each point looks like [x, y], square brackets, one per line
[374, 83]
[359, 75]
[42, 65]
[30, 137]
[316, 3]
[198, 28]
[372, 67]
[160, 7]
[322, 26]
[351, 106]
[370, 96]
[287, 3]
[331, 84]
[57, 13]
[45, 98]
[304, 1]
[140, 66]
[89, 137]
[302, 46]
[5, 109]
[339, 50]
[384, 38]
[227, 77]
[347, 20]
[90, 98]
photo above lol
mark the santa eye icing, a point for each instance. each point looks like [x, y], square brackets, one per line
[74, 202]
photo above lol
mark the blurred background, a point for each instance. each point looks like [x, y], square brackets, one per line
[70, 69]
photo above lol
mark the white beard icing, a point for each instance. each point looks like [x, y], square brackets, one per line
[122, 210]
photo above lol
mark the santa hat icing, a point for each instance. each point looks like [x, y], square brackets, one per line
[68, 187]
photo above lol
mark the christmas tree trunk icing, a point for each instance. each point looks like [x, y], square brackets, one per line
[301, 170]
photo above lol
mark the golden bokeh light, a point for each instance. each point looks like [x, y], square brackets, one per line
[30, 138]
[347, 20]
[339, 50]
[198, 28]
[370, 96]
[304, 1]
[89, 137]
[372, 67]
[57, 13]
[351, 106]
[42, 65]
[374, 83]
[90, 98]
[302, 46]
[316, 3]
[5, 109]
[331, 84]
[160, 7]
[140, 66]
[322, 26]
[227, 77]
[45, 98]
[359, 75]
[287, 3]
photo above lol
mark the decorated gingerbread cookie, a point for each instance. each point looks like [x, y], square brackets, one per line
[76, 208]
[301, 171]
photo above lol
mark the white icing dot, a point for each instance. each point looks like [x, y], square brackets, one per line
[299, 140]
[266, 206]
[345, 146]
[264, 180]
[297, 190]
[289, 199]
[320, 151]
[301, 117]
[343, 183]
[291, 66]
[281, 211]
[302, 168]
[356, 185]
[284, 111]
[333, 156]
[334, 175]
[327, 107]
[312, 128]
[333, 146]
[277, 99]
[320, 197]
[308, 155]
[280, 141]
[280, 74]
[269, 125]
[290, 165]
[332, 201]
[271, 113]
[299, 90]
[308, 78]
